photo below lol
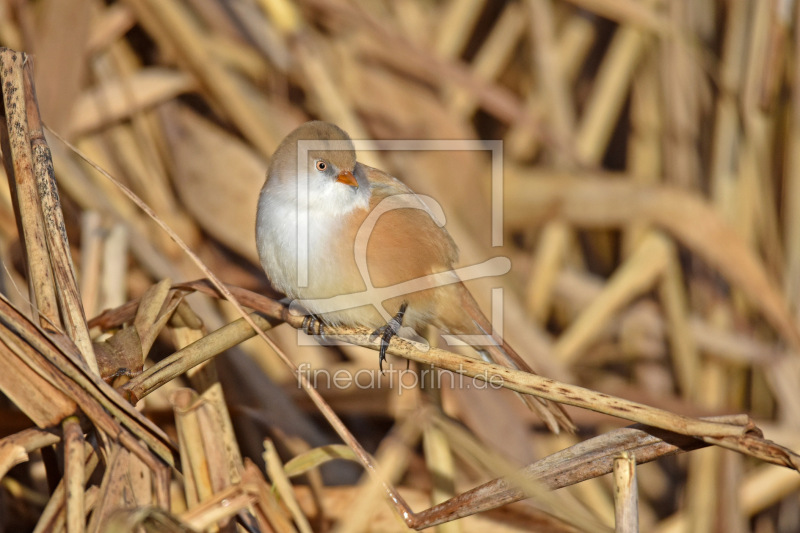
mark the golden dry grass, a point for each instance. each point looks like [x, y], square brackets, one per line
[650, 209]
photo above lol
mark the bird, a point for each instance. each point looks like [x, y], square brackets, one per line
[333, 234]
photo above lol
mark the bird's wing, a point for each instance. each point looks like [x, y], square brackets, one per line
[407, 238]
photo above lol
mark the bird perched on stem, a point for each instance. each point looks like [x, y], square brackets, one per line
[356, 247]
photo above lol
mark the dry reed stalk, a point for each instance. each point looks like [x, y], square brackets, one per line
[71, 307]
[14, 449]
[91, 237]
[646, 154]
[74, 474]
[440, 462]
[493, 56]
[330, 101]
[702, 496]
[271, 511]
[549, 259]
[725, 140]
[547, 67]
[173, 25]
[42, 402]
[682, 92]
[686, 356]
[626, 499]
[61, 51]
[284, 488]
[19, 168]
[53, 515]
[192, 355]
[608, 96]
[626, 12]
[457, 25]
[638, 274]
[792, 193]
[117, 100]
[574, 45]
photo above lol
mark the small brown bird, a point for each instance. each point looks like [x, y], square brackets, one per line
[341, 238]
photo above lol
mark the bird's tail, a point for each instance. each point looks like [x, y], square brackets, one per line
[501, 353]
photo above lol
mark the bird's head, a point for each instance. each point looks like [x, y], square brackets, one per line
[324, 154]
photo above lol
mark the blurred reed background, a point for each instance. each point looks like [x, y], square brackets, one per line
[651, 210]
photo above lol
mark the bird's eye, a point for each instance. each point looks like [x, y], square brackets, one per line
[322, 165]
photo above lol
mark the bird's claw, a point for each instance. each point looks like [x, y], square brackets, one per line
[313, 325]
[386, 332]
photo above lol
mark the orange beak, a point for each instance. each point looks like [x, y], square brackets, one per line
[347, 178]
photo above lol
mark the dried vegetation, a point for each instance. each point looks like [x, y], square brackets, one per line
[650, 206]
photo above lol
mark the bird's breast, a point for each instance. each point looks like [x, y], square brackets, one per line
[308, 256]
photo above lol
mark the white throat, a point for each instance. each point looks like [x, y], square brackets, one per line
[278, 227]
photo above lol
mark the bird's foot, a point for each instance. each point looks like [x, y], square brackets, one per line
[314, 326]
[386, 332]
